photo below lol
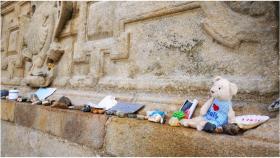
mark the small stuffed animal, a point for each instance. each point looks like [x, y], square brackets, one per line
[217, 111]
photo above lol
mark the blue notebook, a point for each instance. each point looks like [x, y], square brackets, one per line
[127, 108]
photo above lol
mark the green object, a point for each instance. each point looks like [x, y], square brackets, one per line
[179, 114]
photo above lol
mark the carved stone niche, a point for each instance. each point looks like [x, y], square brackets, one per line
[42, 48]
[96, 40]
[13, 41]
[12, 15]
[101, 21]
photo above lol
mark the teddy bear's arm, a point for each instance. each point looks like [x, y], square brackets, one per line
[206, 106]
[231, 115]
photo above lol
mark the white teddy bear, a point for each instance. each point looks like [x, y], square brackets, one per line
[217, 111]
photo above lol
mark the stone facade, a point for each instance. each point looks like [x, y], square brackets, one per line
[155, 53]
[144, 46]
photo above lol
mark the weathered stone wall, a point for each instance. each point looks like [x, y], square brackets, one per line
[143, 46]
[23, 141]
[155, 53]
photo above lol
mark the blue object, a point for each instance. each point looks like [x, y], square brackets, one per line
[217, 114]
[187, 105]
[43, 93]
[126, 108]
[4, 93]
[152, 115]
[155, 112]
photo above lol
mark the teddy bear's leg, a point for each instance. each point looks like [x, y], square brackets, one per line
[185, 122]
[201, 124]
[189, 122]
[197, 123]
[209, 127]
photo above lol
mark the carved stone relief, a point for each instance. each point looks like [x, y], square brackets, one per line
[243, 28]
[12, 22]
[97, 41]
[154, 46]
[101, 22]
[252, 8]
[250, 23]
[41, 46]
[13, 39]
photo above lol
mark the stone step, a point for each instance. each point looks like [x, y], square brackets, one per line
[142, 138]
[18, 141]
[131, 137]
[168, 102]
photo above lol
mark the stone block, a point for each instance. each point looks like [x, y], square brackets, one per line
[83, 128]
[128, 137]
[22, 141]
[7, 110]
[25, 114]
[267, 132]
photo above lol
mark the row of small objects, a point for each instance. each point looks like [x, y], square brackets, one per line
[108, 103]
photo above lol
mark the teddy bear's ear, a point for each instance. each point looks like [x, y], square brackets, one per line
[217, 78]
[233, 88]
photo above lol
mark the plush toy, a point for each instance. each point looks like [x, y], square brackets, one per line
[217, 111]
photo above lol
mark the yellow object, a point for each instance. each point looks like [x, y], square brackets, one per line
[50, 65]
[174, 121]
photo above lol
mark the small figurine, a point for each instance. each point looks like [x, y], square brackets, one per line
[176, 117]
[156, 116]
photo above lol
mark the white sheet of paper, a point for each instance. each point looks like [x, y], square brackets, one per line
[107, 103]
[43, 93]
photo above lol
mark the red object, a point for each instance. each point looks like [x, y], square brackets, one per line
[187, 112]
[215, 107]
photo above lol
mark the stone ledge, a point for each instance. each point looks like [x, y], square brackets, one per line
[168, 102]
[131, 137]
[128, 137]
[78, 127]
